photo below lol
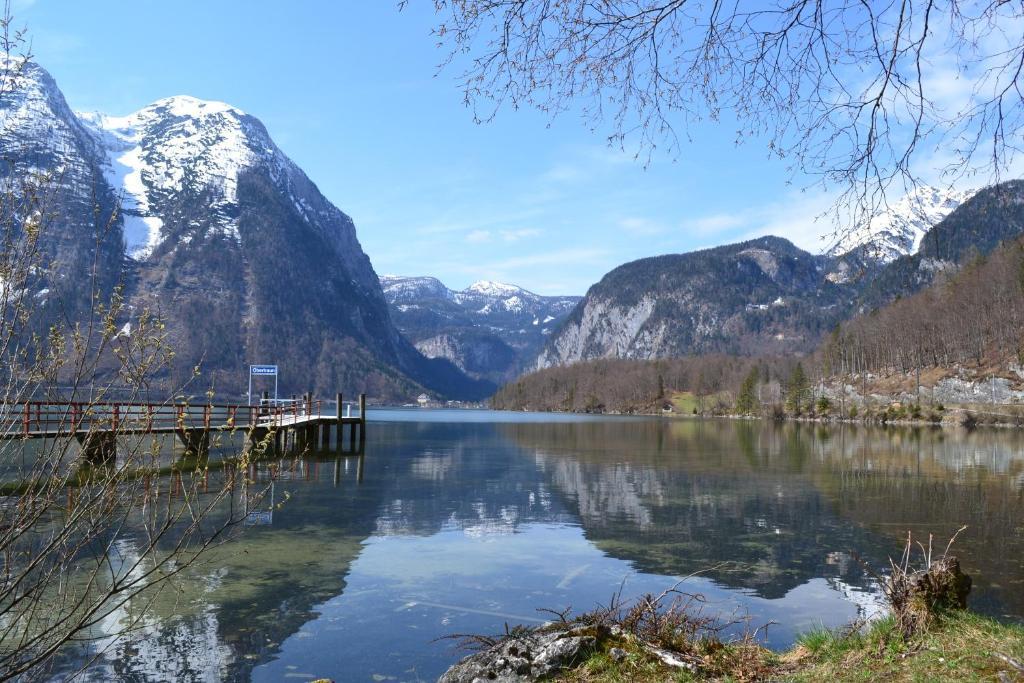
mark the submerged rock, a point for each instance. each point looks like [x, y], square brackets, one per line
[527, 657]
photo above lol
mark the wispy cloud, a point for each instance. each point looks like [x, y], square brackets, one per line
[519, 234]
[636, 225]
[801, 217]
[716, 223]
[478, 236]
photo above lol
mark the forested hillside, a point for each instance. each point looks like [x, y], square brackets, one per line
[973, 317]
[964, 334]
[763, 296]
[707, 384]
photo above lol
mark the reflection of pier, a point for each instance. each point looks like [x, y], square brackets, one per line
[97, 425]
[311, 468]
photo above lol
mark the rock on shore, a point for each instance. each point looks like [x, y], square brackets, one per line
[527, 656]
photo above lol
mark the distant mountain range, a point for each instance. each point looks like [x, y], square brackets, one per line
[490, 330]
[768, 296]
[194, 212]
[220, 232]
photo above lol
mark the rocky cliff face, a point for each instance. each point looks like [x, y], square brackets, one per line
[898, 230]
[229, 240]
[767, 296]
[760, 296]
[53, 165]
[490, 330]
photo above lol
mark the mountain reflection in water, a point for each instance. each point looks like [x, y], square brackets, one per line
[465, 521]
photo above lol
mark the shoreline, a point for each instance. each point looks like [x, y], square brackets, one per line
[597, 648]
[822, 420]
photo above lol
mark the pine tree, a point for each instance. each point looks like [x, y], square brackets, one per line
[797, 390]
[746, 402]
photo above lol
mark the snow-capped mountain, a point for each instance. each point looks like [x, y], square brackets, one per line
[898, 230]
[410, 290]
[43, 142]
[179, 141]
[496, 289]
[224, 235]
[483, 299]
[489, 330]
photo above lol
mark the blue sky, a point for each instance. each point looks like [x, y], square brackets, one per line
[349, 91]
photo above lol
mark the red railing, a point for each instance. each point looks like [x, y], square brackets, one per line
[284, 414]
[55, 417]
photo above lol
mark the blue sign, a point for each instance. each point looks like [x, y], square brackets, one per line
[259, 518]
[263, 370]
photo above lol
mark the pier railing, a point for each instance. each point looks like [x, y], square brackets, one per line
[46, 418]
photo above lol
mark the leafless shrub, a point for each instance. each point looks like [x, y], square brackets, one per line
[917, 596]
[854, 93]
[87, 544]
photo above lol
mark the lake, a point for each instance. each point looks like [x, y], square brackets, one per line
[457, 522]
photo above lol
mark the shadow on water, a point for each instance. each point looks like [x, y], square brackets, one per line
[448, 525]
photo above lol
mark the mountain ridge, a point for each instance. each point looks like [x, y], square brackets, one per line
[767, 296]
[490, 330]
[227, 238]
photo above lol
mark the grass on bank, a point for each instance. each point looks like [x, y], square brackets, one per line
[960, 646]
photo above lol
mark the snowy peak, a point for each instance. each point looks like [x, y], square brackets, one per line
[483, 298]
[490, 288]
[36, 122]
[491, 330]
[399, 289]
[899, 229]
[180, 144]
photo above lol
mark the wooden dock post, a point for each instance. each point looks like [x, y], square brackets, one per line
[362, 421]
[195, 441]
[340, 425]
[98, 446]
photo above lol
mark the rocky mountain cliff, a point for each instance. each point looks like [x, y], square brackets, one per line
[899, 229]
[226, 237]
[53, 165]
[761, 296]
[992, 216]
[490, 330]
[768, 296]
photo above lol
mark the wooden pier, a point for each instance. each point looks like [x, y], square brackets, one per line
[96, 425]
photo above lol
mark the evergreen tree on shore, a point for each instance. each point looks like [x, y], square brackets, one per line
[797, 390]
[746, 402]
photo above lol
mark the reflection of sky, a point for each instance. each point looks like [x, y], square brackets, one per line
[408, 591]
[461, 526]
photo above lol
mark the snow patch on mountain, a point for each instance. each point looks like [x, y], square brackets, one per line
[398, 288]
[899, 229]
[490, 288]
[177, 143]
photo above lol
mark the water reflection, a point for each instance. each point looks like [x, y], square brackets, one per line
[447, 527]
[787, 500]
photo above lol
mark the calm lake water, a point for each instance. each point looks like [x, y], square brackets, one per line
[461, 521]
